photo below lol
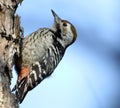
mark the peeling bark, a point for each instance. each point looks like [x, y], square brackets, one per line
[10, 31]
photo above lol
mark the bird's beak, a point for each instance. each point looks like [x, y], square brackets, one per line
[56, 17]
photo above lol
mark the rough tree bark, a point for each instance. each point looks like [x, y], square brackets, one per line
[9, 34]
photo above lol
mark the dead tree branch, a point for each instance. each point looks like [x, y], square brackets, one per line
[10, 31]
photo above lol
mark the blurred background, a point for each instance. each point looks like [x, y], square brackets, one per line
[89, 74]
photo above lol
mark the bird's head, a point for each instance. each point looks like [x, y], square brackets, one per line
[66, 31]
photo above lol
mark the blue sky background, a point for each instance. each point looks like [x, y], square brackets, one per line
[89, 74]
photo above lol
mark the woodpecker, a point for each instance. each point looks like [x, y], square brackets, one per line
[40, 53]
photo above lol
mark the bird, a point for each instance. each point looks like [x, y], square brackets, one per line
[40, 53]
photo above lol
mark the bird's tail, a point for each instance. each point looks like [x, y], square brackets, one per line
[30, 81]
[21, 89]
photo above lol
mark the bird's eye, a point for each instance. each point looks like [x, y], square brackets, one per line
[64, 24]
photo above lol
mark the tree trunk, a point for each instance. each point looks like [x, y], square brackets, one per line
[9, 34]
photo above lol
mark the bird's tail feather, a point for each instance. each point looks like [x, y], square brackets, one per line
[21, 89]
[35, 76]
